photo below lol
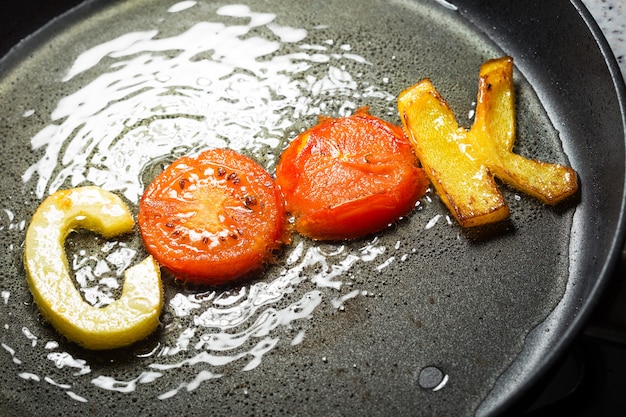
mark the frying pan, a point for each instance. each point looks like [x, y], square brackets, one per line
[421, 319]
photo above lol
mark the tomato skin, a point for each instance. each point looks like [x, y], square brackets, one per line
[214, 218]
[348, 177]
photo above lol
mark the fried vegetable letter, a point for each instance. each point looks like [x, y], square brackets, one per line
[128, 319]
[213, 218]
[350, 176]
[461, 163]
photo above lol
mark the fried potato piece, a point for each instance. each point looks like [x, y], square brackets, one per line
[449, 157]
[461, 163]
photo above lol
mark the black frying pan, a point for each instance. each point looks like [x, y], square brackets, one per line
[424, 319]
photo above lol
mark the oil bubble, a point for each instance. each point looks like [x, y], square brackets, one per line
[432, 378]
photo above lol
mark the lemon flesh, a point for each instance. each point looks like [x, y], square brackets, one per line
[128, 319]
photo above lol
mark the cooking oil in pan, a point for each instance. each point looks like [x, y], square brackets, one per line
[197, 75]
[212, 85]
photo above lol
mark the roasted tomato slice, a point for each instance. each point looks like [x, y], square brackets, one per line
[348, 177]
[213, 218]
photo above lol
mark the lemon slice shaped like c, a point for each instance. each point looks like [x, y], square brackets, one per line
[128, 319]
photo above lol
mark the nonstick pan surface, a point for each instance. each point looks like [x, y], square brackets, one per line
[421, 319]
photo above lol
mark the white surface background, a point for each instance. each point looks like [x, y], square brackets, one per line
[611, 17]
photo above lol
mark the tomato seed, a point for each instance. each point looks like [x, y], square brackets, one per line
[249, 201]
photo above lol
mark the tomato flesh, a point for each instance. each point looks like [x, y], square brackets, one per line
[349, 177]
[212, 219]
